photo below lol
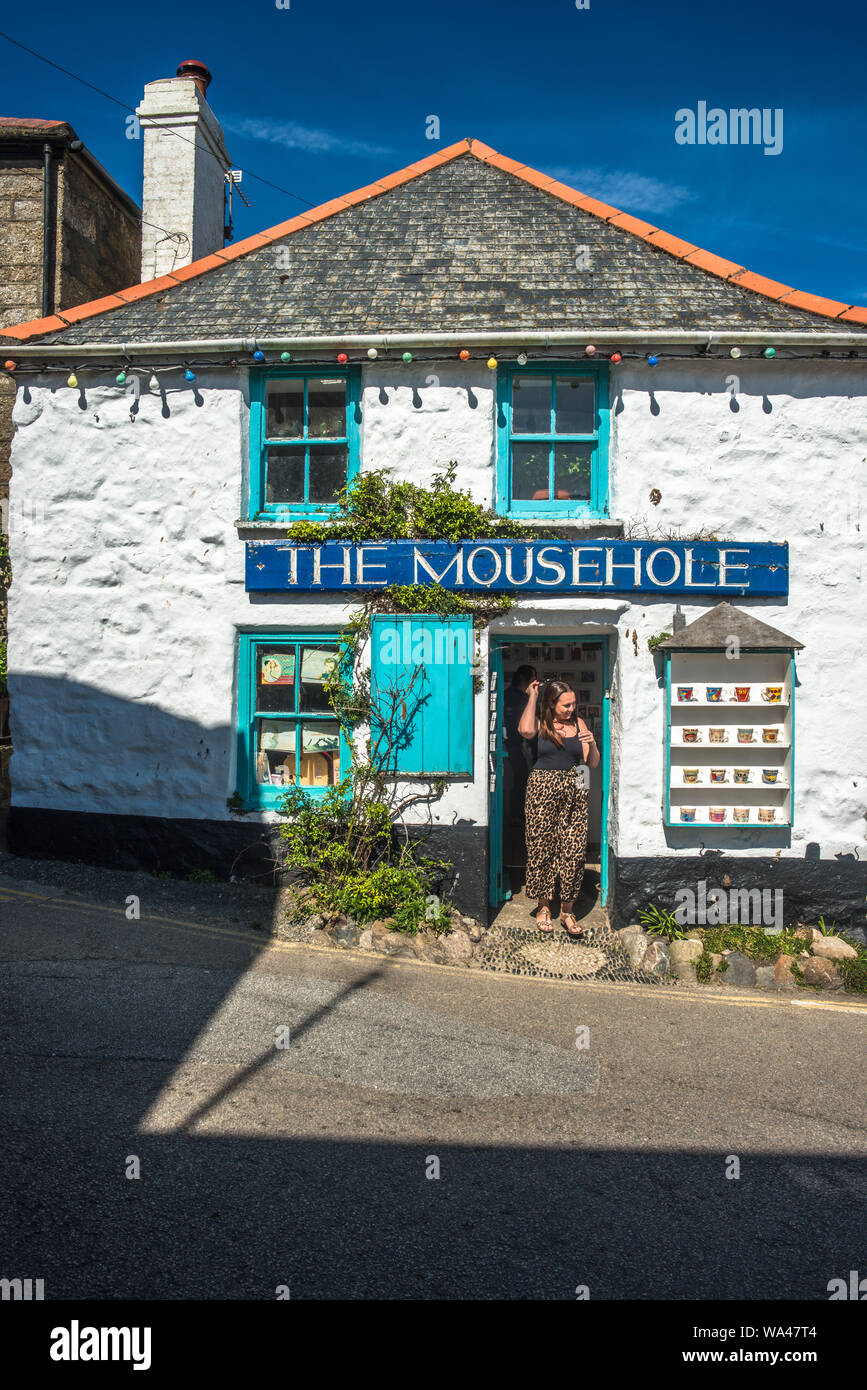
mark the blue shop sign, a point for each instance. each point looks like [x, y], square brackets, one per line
[592, 566]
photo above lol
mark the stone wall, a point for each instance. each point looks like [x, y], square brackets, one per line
[99, 241]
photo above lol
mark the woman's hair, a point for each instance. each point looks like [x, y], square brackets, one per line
[551, 693]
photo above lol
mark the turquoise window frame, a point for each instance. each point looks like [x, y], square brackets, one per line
[260, 444]
[261, 796]
[597, 504]
[443, 743]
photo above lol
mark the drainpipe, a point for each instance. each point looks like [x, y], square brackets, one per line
[49, 234]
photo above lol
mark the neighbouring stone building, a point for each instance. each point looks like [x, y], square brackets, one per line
[679, 432]
[68, 233]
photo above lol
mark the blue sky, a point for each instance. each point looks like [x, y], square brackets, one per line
[328, 95]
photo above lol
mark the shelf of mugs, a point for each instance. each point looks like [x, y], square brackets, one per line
[679, 781]
[739, 817]
[701, 696]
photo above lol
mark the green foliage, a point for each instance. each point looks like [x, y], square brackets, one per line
[659, 922]
[3, 671]
[854, 971]
[830, 930]
[704, 967]
[431, 598]
[235, 804]
[201, 876]
[376, 507]
[754, 942]
[653, 642]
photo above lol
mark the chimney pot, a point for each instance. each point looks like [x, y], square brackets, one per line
[191, 67]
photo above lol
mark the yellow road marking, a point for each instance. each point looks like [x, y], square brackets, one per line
[603, 986]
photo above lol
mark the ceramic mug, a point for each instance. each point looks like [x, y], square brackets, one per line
[713, 693]
[745, 736]
[687, 813]
[717, 814]
[770, 774]
[766, 814]
[742, 774]
[741, 814]
[742, 693]
[690, 774]
[770, 735]
[684, 692]
[718, 774]
[718, 736]
[772, 694]
[691, 736]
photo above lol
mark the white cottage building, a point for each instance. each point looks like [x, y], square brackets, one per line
[678, 432]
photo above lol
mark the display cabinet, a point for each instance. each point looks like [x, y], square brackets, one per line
[729, 727]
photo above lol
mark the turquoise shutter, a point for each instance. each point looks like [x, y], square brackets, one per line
[435, 723]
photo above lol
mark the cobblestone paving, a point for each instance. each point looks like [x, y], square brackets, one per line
[520, 950]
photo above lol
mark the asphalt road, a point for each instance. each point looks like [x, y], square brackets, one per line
[284, 1107]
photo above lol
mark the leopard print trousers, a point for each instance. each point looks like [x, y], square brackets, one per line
[556, 820]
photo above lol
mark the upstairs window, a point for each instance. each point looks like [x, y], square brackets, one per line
[304, 439]
[552, 441]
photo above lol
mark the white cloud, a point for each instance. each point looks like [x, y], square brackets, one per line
[624, 190]
[298, 137]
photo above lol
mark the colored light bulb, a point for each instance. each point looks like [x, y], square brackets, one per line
[522, 359]
[372, 354]
[10, 366]
[652, 359]
[120, 378]
[258, 355]
[285, 357]
[154, 383]
[734, 352]
[189, 375]
[72, 379]
[492, 363]
[590, 350]
[407, 357]
[342, 358]
[769, 352]
[616, 357]
[464, 355]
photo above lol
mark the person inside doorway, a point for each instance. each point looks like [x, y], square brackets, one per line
[520, 754]
[557, 800]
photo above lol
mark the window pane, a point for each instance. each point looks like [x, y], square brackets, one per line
[575, 405]
[327, 473]
[572, 471]
[326, 408]
[275, 752]
[531, 405]
[316, 662]
[320, 754]
[284, 476]
[275, 678]
[530, 471]
[285, 409]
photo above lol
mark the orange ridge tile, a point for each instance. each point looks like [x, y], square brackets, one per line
[240, 248]
[814, 302]
[33, 329]
[90, 310]
[502, 161]
[162, 282]
[199, 267]
[716, 265]
[761, 284]
[627, 223]
[856, 314]
[538, 180]
[674, 245]
[598, 209]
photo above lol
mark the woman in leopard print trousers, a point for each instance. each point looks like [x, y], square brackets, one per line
[557, 800]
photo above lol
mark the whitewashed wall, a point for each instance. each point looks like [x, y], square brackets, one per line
[128, 589]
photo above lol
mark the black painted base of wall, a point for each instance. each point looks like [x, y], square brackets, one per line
[239, 848]
[833, 888]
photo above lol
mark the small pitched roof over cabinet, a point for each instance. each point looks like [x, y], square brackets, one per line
[713, 630]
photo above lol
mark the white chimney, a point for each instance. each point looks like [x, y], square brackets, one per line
[185, 161]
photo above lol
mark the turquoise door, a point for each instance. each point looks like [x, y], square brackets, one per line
[499, 891]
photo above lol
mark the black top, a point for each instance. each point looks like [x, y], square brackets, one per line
[551, 757]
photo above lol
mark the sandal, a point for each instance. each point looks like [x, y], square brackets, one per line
[568, 917]
[544, 923]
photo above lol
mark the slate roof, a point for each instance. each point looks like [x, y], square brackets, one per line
[712, 631]
[464, 240]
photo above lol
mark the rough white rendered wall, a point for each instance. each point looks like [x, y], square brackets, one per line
[128, 596]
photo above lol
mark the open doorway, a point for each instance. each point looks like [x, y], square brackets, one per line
[583, 662]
